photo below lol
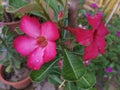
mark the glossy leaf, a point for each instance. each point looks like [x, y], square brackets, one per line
[26, 8]
[39, 14]
[16, 3]
[73, 67]
[53, 5]
[61, 2]
[41, 74]
[88, 89]
[87, 81]
[54, 79]
[70, 86]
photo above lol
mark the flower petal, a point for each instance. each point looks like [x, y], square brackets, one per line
[95, 20]
[102, 30]
[50, 51]
[35, 59]
[101, 44]
[84, 37]
[94, 6]
[90, 52]
[118, 33]
[50, 31]
[30, 26]
[24, 45]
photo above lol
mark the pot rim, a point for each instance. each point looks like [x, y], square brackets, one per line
[10, 82]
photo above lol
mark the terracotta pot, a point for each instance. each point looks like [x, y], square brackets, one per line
[18, 85]
[12, 25]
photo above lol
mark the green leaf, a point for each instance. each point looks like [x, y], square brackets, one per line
[41, 74]
[26, 8]
[18, 31]
[16, 3]
[81, 2]
[70, 86]
[61, 2]
[17, 64]
[39, 14]
[87, 81]
[88, 89]
[1, 9]
[8, 69]
[53, 4]
[54, 79]
[73, 67]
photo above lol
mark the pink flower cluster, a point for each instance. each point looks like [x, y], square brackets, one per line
[38, 43]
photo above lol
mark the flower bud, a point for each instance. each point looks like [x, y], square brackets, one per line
[60, 15]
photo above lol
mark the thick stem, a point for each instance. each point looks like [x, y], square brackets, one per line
[73, 12]
[72, 19]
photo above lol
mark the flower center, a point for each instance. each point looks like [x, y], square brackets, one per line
[41, 41]
[95, 34]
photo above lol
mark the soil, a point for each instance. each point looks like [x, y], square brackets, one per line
[21, 74]
[14, 77]
[18, 75]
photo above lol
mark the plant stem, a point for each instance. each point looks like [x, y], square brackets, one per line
[62, 84]
[72, 20]
[73, 12]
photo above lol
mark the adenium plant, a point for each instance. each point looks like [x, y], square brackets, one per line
[57, 46]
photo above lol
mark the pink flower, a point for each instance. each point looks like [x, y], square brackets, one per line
[60, 63]
[95, 20]
[1, 24]
[108, 70]
[94, 39]
[118, 34]
[94, 6]
[39, 42]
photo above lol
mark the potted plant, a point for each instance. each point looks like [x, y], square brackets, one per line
[21, 84]
[47, 40]
[63, 42]
[11, 64]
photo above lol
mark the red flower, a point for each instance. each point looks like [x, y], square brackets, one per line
[38, 43]
[94, 39]
[60, 14]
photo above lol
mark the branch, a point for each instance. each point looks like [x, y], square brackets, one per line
[73, 12]
[72, 20]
